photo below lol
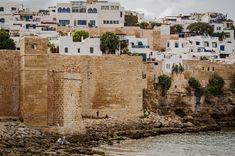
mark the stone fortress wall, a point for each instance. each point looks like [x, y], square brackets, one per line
[9, 83]
[54, 90]
[59, 90]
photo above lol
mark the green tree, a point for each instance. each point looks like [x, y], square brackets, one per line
[176, 29]
[201, 28]
[194, 83]
[177, 68]
[153, 24]
[78, 35]
[215, 86]
[144, 25]
[164, 82]
[109, 43]
[131, 20]
[5, 41]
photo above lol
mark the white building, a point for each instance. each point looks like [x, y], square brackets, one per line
[89, 46]
[139, 46]
[184, 20]
[92, 14]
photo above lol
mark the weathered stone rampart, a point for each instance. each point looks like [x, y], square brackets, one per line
[111, 85]
[9, 83]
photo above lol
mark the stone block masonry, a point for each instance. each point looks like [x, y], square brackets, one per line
[57, 90]
[34, 75]
[110, 85]
[9, 83]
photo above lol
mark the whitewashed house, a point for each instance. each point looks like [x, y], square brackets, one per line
[87, 47]
[90, 14]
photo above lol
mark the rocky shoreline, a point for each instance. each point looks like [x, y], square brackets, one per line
[18, 139]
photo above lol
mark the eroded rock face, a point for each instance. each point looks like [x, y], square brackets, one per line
[205, 111]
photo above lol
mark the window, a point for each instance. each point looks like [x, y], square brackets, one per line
[63, 10]
[206, 44]
[218, 28]
[222, 48]
[121, 14]
[208, 69]
[227, 35]
[34, 46]
[66, 50]
[168, 44]
[117, 22]
[64, 22]
[78, 50]
[213, 68]
[82, 22]
[111, 22]
[91, 50]
[168, 66]
[90, 10]
[104, 7]
[2, 20]
[114, 7]
[95, 10]
[176, 45]
[107, 22]
[1, 9]
[13, 9]
[214, 44]
[198, 43]
[104, 22]
[53, 10]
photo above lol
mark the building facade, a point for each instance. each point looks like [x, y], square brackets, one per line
[93, 14]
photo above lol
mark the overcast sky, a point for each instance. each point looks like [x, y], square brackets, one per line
[158, 8]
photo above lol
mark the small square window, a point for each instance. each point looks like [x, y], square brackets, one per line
[91, 50]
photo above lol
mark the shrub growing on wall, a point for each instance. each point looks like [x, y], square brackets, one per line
[78, 35]
[164, 83]
[215, 86]
[196, 86]
[177, 68]
[194, 83]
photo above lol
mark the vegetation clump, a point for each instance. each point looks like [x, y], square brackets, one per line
[164, 83]
[5, 41]
[110, 43]
[200, 28]
[215, 86]
[79, 35]
[176, 29]
[177, 68]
